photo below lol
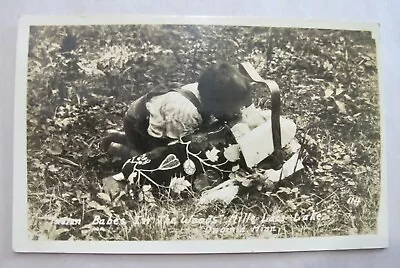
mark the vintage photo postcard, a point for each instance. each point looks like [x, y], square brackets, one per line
[163, 135]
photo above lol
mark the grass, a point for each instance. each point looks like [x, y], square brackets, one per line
[77, 91]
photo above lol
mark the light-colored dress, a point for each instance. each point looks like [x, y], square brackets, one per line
[172, 115]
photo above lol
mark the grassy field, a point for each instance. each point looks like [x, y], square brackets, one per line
[81, 79]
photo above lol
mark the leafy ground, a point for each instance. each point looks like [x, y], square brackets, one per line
[82, 78]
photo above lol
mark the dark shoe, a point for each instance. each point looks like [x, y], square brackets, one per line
[121, 151]
[113, 136]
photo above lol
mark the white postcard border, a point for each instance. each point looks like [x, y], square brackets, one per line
[21, 242]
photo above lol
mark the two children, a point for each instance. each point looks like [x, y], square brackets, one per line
[164, 115]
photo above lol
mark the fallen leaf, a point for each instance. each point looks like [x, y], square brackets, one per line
[224, 192]
[146, 188]
[119, 177]
[94, 204]
[104, 197]
[328, 93]
[97, 206]
[53, 168]
[327, 167]
[347, 97]
[339, 91]
[346, 159]
[341, 106]
[55, 150]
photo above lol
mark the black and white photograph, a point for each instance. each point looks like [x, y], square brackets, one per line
[194, 134]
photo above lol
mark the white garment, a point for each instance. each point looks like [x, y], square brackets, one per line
[172, 115]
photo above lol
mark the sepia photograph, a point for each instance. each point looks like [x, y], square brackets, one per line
[195, 133]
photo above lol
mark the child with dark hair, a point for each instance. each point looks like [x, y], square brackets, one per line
[164, 115]
[224, 91]
[200, 133]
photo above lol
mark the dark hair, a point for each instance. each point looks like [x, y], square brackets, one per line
[223, 89]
